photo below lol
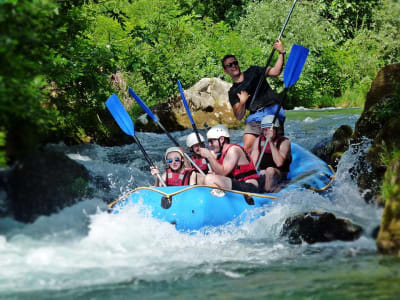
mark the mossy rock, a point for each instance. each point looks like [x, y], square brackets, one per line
[388, 241]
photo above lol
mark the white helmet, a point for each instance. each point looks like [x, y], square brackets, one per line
[191, 139]
[267, 121]
[173, 149]
[217, 131]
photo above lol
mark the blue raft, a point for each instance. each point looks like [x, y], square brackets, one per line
[195, 207]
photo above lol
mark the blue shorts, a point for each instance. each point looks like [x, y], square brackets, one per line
[270, 110]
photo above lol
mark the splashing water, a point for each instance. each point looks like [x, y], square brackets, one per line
[83, 252]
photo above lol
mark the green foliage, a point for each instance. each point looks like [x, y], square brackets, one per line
[2, 152]
[58, 56]
[348, 15]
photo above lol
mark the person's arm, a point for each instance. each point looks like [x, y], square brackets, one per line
[280, 156]
[276, 70]
[230, 161]
[239, 108]
[154, 171]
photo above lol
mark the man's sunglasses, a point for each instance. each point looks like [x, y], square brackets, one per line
[234, 63]
[170, 160]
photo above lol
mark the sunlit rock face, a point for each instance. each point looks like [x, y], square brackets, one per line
[208, 103]
[379, 122]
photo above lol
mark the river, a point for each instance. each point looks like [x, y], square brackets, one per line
[82, 252]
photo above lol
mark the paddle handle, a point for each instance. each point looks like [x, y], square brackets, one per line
[262, 77]
[147, 158]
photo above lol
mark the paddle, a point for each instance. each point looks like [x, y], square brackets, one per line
[294, 66]
[262, 78]
[190, 117]
[124, 121]
[155, 119]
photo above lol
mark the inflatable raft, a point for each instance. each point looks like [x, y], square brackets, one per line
[196, 207]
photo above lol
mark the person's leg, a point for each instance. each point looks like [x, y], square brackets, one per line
[218, 181]
[272, 179]
[251, 132]
[248, 141]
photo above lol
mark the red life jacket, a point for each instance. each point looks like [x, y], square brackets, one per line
[240, 172]
[267, 160]
[178, 178]
[201, 163]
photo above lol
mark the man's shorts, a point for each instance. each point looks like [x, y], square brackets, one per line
[244, 186]
[254, 128]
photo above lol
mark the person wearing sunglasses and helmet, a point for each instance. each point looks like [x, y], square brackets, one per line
[176, 173]
[233, 169]
[243, 88]
[276, 159]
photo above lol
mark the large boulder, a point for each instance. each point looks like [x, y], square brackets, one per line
[388, 241]
[43, 183]
[380, 123]
[331, 150]
[313, 227]
[208, 102]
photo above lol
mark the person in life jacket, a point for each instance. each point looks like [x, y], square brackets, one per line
[194, 146]
[176, 173]
[277, 156]
[234, 168]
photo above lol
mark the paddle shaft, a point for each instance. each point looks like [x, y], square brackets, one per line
[190, 118]
[262, 77]
[147, 158]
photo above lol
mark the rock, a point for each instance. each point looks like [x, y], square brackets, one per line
[388, 241]
[314, 227]
[45, 182]
[378, 122]
[208, 102]
[330, 151]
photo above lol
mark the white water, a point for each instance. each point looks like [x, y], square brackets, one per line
[83, 245]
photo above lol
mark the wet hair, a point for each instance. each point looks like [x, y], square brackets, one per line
[225, 58]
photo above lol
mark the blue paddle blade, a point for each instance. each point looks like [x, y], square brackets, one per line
[143, 105]
[120, 115]
[185, 102]
[294, 65]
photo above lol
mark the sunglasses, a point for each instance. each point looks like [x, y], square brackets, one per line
[170, 160]
[234, 63]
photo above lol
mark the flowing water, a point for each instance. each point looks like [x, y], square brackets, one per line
[83, 252]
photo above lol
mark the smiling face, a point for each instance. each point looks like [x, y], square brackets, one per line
[231, 67]
[174, 160]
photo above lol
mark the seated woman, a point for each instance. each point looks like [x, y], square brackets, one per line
[176, 174]
[277, 156]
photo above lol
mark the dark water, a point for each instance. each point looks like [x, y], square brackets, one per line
[83, 252]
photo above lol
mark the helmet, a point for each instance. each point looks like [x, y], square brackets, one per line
[191, 139]
[267, 121]
[173, 149]
[217, 131]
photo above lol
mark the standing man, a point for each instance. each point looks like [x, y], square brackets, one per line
[244, 86]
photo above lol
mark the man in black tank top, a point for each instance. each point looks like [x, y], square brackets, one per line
[243, 88]
[277, 156]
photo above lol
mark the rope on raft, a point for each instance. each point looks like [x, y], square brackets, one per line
[124, 196]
